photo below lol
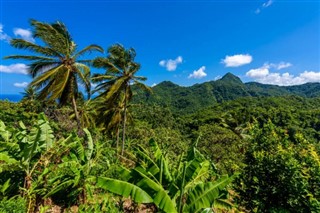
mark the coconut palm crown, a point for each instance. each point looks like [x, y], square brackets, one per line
[55, 67]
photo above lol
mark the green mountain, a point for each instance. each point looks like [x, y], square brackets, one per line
[190, 99]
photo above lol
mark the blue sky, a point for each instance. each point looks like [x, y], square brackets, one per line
[186, 42]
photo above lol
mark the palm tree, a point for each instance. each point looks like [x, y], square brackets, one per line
[56, 67]
[109, 116]
[29, 94]
[116, 83]
[87, 114]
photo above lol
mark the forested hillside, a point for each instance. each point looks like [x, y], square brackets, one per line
[259, 136]
[229, 87]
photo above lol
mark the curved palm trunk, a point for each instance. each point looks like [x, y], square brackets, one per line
[74, 105]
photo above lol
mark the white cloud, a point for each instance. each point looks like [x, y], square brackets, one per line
[18, 68]
[198, 73]
[24, 34]
[310, 76]
[263, 75]
[259, 72]
[264, 70]
[21, 85]
[3, 35]
[282, 65]
[218, 77]
[237, 60]
[171, 64]
[267, 3]
[153, 85]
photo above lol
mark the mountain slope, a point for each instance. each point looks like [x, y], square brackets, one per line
[229, 87]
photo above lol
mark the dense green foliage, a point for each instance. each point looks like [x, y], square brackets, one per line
[184, 100]
[264, 136]
[273, 142]
[280, 175]
[183, 187]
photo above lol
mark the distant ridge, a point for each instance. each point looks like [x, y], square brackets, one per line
[229, 87]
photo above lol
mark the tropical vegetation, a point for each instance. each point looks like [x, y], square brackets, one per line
[220, 146]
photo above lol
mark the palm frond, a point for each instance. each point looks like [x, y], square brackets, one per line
[101, 77]
[107, 64]
[88, 49]
[37, 82]
[55, 36]
[23, 44]
[60, 83]
[140, 78]
[39, 67]
[83, 72]
[30, 57]
[143, 86]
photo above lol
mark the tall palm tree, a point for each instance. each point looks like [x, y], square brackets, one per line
[116, 84]
[55, 66]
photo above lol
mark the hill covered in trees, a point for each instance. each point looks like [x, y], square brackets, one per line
[229, 87]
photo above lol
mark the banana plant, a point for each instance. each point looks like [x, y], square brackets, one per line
[28, 146]
[188, 187]
[3, 188]
[24, 150]
[75, 169]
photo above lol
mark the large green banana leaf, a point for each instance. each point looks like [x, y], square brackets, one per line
[124, 189]
[155, 189]
[204, 195]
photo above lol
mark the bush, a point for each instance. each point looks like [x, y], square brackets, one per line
[280, 176]
[13, 205]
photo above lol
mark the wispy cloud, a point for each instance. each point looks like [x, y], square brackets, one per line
[237, 60]
[266, 4]
[18, 68]
[24, 34]
[217, 77]
[18, 32]
[257, 11]
[153, 85]
[281, 65]
[198, 73]
[171, 64]
[21, 85]
[265, 76]
[3, 35]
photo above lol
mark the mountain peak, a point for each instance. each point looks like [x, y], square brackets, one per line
[229, 77]
[167, 84]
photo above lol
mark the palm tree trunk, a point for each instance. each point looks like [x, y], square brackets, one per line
[124, 120]
[118, 134]
[124, 128]
[74, 105]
